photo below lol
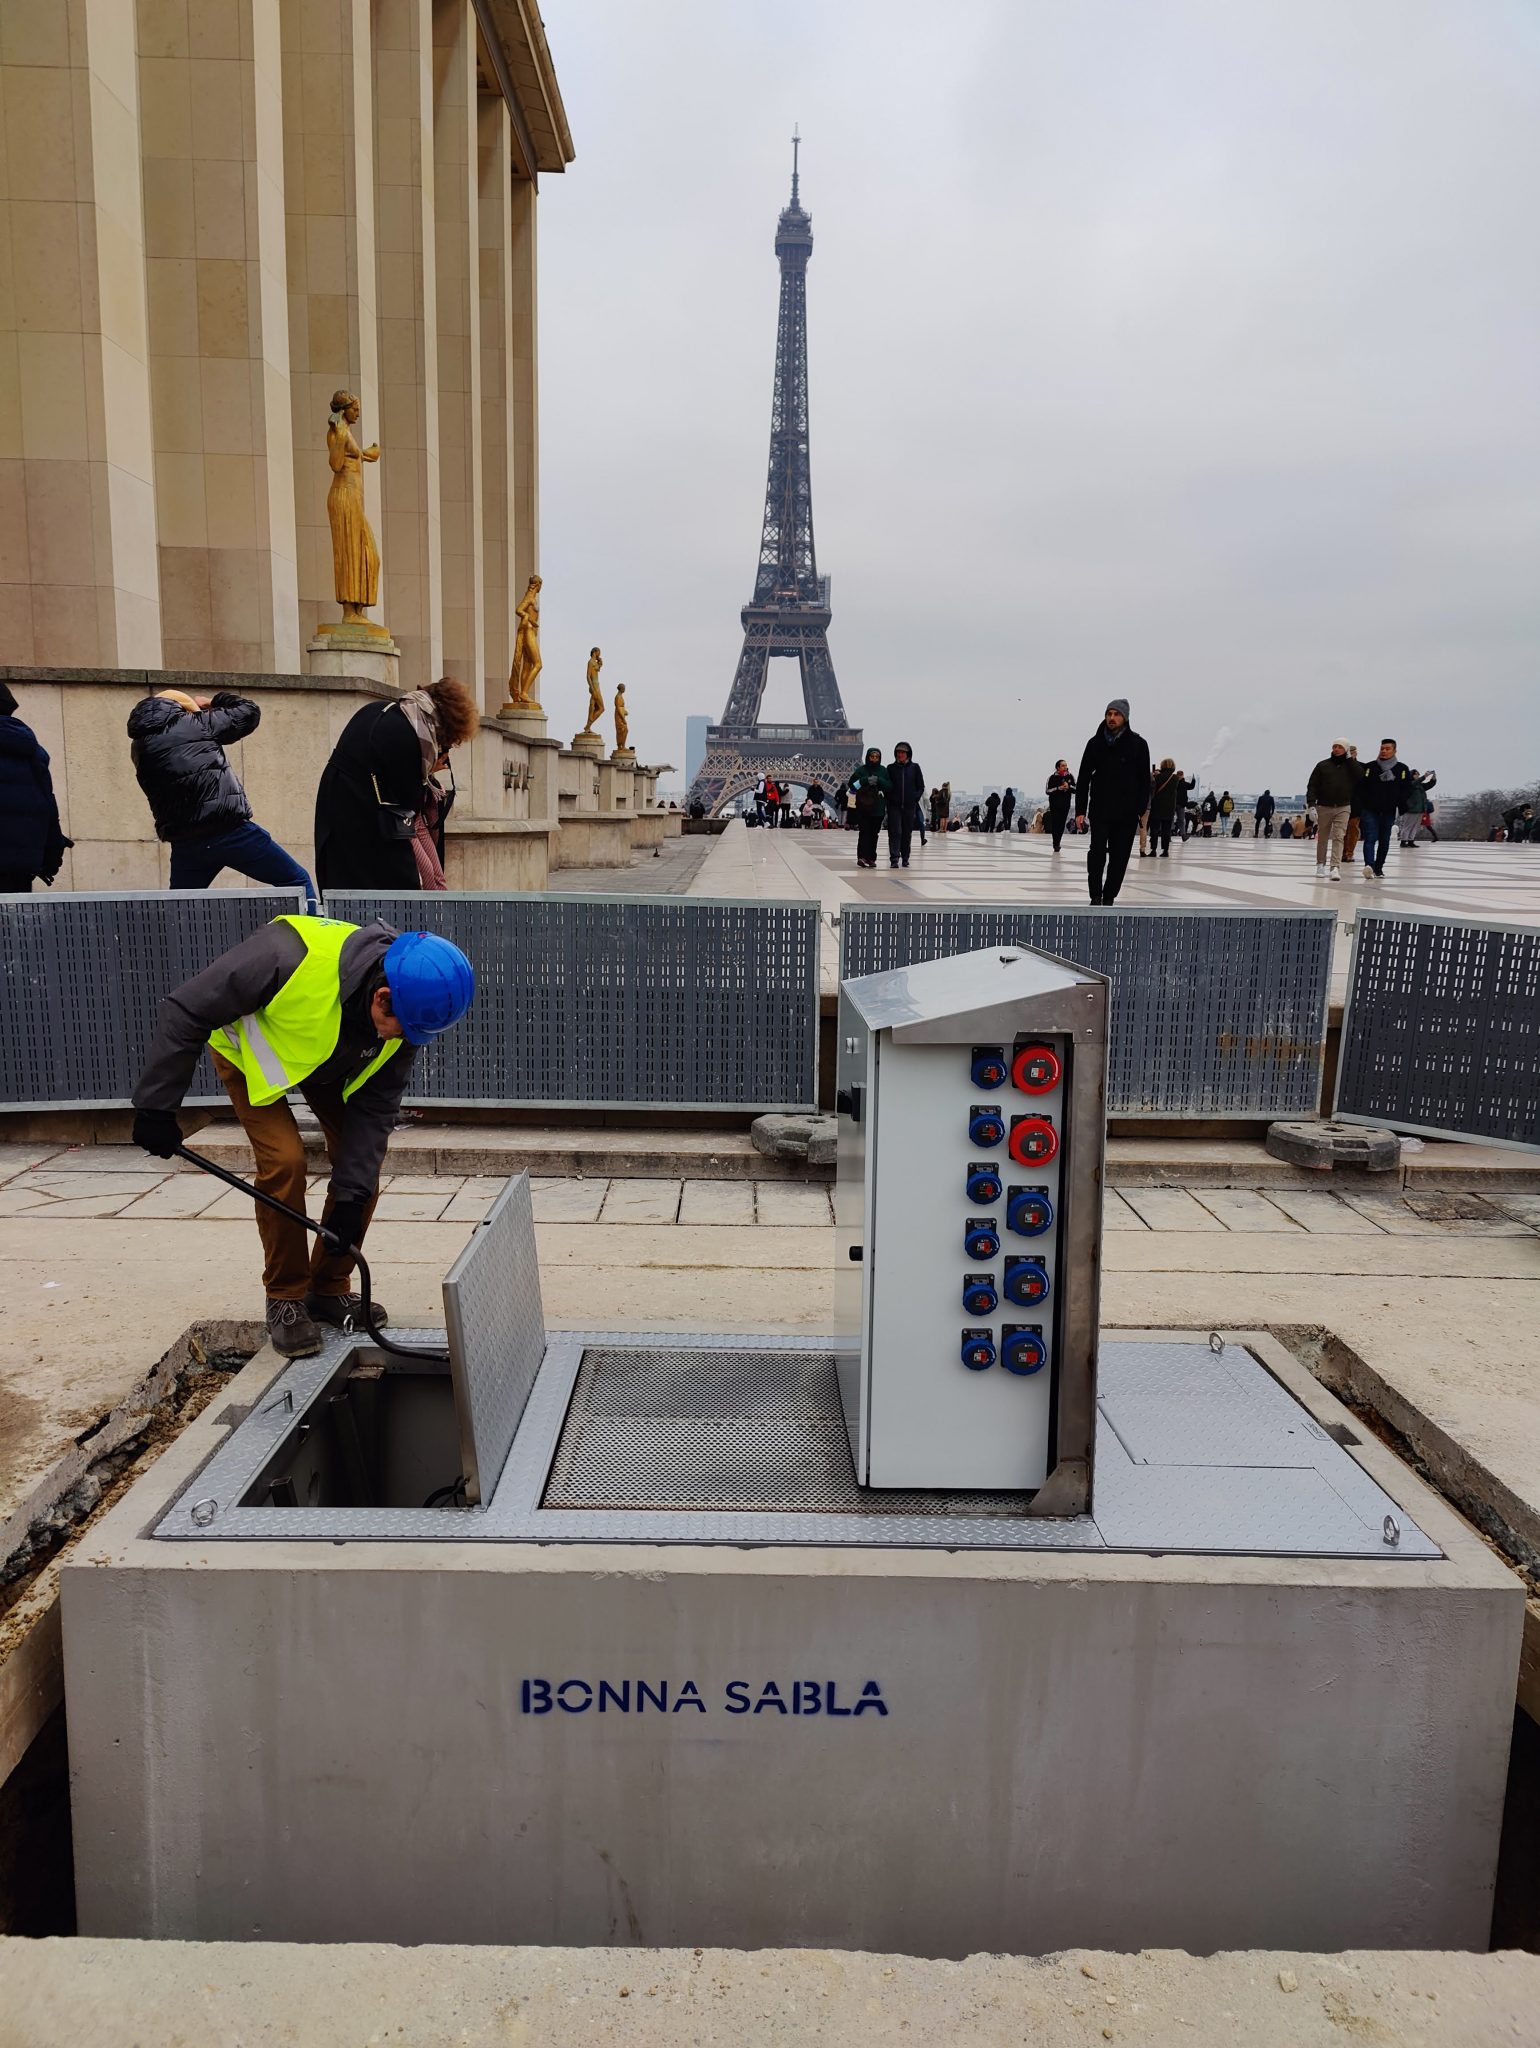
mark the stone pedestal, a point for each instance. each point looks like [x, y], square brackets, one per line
[626, 756]
[527, 720]
[353, 647]
[590, 744]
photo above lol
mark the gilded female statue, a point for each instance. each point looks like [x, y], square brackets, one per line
[595, 694]
[622, 723]
[355, 558]
[526, 649]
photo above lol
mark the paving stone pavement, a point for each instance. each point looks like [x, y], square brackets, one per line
[33, 1185]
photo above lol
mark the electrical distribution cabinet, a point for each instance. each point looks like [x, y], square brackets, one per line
[972, 1098]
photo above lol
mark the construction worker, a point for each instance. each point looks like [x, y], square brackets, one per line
[335, 1010]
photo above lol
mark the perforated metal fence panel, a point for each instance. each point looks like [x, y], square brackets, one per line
[1441, 1033]
[1214, 1012]
[624, 1001]
[81, 976]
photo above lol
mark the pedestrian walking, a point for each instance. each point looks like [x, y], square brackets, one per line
[1263, 820]
[870, 788]
[1166, 792]
[1333, 781]
[32, 841]
[1355, 822]
[991, 810]
[1519, 823]
[378, 808]
[337, 1011]
[1058, 789]
[195, 796]
[1007, 809]
[1226, 806]
[1208, 811]
[1414, 801]
[1112, 789]
[906, 792]
[1381, 792]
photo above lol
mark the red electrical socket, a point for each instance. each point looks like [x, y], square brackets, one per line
[1036, 1069]
[1033, 1140]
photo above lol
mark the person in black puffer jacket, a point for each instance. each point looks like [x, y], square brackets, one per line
[1113, 791]
[196, 798]
[32, 842]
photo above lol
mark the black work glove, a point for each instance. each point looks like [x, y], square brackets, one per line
[157, 1131]
[346, 1222]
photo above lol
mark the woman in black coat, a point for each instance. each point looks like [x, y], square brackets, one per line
[32, 842]
[377, 808]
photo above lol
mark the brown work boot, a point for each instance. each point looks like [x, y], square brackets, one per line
[290, 1330]
[345, 1311]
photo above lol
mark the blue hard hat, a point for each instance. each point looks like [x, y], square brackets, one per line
[431, 984]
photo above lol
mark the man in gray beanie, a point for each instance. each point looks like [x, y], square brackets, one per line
[1113, 790]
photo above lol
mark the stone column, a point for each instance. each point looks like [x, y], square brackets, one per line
[78, 582]
[410, 540]
[328, 135]
[457, 261]
[211, 139]
[494, 220]
[525, 494]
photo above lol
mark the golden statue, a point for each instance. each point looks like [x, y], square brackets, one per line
[526, 650]
[355, 558]
[622, 723]
[595, 694]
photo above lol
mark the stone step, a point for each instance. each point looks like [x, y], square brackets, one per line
[662, 1154]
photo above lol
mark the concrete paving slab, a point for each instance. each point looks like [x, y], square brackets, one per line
[641, 1201]
[18, 1158]
[783, 1203]
[100, 1159]
[1245, 1209]
[568, 1201]
[1431, 1260]
[179, 1194]
[710, 1248]
[1170, 1209]
[717, 1201]
[464, 1208]
[1325, 1214]
[1118, 1215]
[1399, 1215]
[398, 1206]
[119, 1994]
[15, 1200]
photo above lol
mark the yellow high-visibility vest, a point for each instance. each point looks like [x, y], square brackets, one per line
[282, 1044]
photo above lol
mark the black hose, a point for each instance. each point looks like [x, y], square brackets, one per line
[365, 1291]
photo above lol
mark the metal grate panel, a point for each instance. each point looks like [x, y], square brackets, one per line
[629, 1001]
[81, 976]
[1214, 1012]
[1441, 1032]
[496, 1329]
[739, 1432]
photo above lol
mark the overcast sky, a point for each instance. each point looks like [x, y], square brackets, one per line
[1182, 350]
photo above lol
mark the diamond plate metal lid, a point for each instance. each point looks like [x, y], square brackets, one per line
[496, 1332]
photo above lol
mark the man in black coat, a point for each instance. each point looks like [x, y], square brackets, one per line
[1113, 791]
[196, 798]
[32, 842]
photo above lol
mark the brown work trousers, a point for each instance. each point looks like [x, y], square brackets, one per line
[294, 1262]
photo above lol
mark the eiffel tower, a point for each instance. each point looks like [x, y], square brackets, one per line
[789, 611]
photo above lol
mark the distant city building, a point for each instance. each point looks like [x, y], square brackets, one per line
[694, 747]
